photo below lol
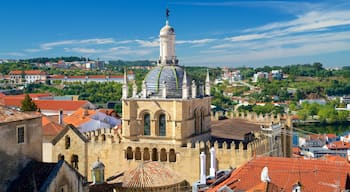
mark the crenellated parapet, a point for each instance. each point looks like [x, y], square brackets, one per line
[258, 118]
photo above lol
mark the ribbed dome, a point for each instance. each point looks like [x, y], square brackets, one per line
[150, 174]
[167, 30]
[172, 75]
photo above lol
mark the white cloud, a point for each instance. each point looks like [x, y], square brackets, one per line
[145, 43]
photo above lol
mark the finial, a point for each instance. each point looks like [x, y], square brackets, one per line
[167, 11]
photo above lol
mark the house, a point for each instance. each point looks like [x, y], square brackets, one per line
[90, 78]
[21, 140]
[27, 76]
[90, 120]
[51, 129]
[47, 177]
[286, 174]
[47, 107]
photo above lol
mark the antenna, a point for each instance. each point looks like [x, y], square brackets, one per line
[265, 175]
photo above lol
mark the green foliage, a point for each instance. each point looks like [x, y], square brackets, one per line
[28, 104]
[268, 108]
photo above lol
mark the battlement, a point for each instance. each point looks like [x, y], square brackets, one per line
[102, 135]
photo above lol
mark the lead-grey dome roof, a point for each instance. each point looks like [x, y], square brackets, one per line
[172, 75]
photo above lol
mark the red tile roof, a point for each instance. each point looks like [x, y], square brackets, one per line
[50, 128]
[46, 104]
[314, 175]
[338, 145]
[79, 117]
[27, 72]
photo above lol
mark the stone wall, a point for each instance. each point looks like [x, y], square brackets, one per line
[183, 159]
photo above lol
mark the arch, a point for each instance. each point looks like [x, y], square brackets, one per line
[74, 159]
[196, 115]
[147, 124]
[137, 153]
[146, 156]
[201, 121]
[172, 155]
[129, 153]
[67, 142]
[162, 124]
[154, 154]
[103, 137]
[163, 155]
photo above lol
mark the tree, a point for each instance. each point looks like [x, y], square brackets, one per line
[28, 104]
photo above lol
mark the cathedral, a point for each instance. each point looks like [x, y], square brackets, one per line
[168, 121]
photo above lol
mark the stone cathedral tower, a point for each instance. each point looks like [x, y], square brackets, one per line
[170, 109]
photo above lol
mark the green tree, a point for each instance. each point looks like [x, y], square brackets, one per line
[28, 104]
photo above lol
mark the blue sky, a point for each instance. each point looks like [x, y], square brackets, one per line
[209, 33]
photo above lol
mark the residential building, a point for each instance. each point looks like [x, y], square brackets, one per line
[286, 174]
[21, 141]
[27, 76]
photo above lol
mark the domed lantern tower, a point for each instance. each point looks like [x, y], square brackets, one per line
[168, 108]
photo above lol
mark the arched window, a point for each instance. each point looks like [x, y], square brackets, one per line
[172, 155]
[103, 137]
[197, 122]
[154, 154]
[201, 121]
[162, 125]
[67, 142]
[163, 156]
[146, 124]
[129, 153]
[146, 155]
[137, 153]
[74, 161]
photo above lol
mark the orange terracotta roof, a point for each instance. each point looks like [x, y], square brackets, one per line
[28, 72]
[57, 76]
[313, 174]
[50, 128]
[79, 117]
[116, 76]
[97, 77]
[76, 77]
[331, 135]
[296, 150]
[47, 104]
[9, 115]
[338, 145]
[333, 158]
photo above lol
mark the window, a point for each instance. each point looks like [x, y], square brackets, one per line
[146, 124]
[20, 134]
[201, 121]
[172, 155]
[163, 155]
[162, 125]
[129, 153]
[154, 154]
[137, 153]
[74, 161]
[146, 155]
[67, 142]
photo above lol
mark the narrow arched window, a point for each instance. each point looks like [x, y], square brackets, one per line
[146, 124]
[67, 142]
[137, 153]
[162, 125]
[201, 121]
[129, 153]
[163, 155]
[74, 161]
[154, 154]
[146, 155]
[172, 155]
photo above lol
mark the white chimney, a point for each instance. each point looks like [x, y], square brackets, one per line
[212, 162]
[194, 89]
[264, 177]
[203, 177]
[60, 117]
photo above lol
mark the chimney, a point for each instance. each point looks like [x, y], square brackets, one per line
[203, 177]
[212, 162]
[60, 117]
[86, 112]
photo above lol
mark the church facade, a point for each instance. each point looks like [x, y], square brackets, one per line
[168, 121]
